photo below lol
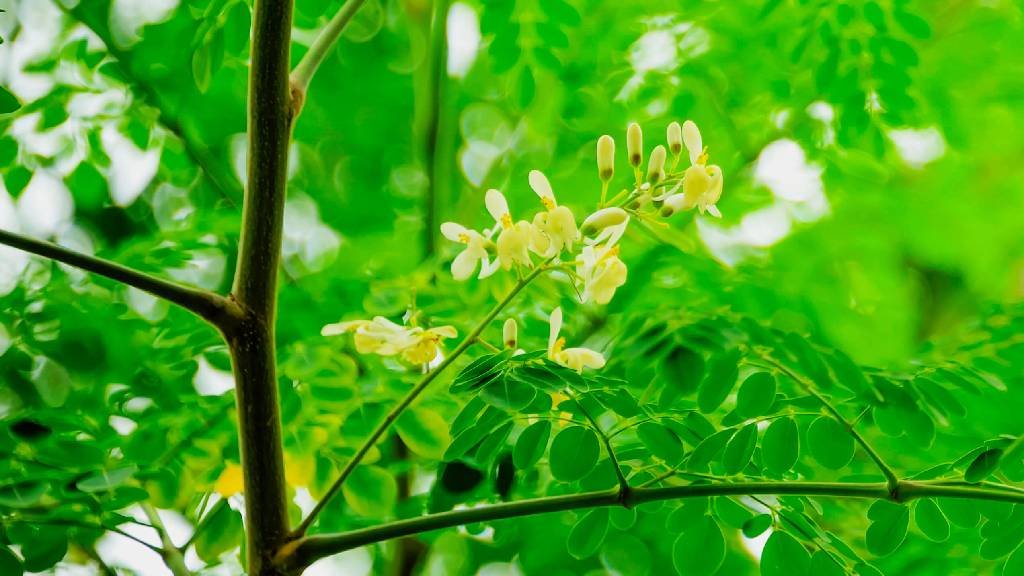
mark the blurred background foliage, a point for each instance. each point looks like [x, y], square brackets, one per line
[873, 203]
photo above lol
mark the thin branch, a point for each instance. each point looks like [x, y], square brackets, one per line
[890, 477]
[208, 305]
[307, 67]
[623, 484]
[303, 552]
[170, 553]
[89, 526]
[468, 341]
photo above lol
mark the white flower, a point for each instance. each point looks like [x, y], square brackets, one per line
[558, 223]
[607, 224]
[702, 184]
[385, 338]
[575, 358]
[476, 251]
[601, 271]
[514, 238]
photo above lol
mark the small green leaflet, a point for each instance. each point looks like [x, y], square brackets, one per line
[931, 521]
[574, 453]
[984, 465]
[830, 443]
[780, 446]
[889, 522]
[700, 549]
[739, 449]
[784, 556]
[719, 381]
[531, 444]
[588, 534]
[756, 395]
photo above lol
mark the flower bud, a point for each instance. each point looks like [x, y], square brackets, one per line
[675, 138]
[602, 219]
[674, 203]
[635, 144]
[605, 158]
[656, 165]
[510, 334]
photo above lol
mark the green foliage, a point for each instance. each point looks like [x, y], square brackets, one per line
[740, 350]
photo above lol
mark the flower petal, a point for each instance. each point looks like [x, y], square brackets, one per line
[464, 264]
[692, 140]
[496, 204]
[453, 231]
[555, 326]
[539, 183]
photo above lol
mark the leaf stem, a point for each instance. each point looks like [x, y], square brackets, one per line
[212, 307]
[311, 61]
[304, 552]
[170, 553]
[623, 483]
[405, 402]
[890, 477]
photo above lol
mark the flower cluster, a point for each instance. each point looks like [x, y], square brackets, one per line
[381, 336]
[589, 253]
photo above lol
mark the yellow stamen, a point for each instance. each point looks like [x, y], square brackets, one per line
[548, 203]
[464, 238]
[506, 221]
[703, 158]
[611, 253]
[559, 345]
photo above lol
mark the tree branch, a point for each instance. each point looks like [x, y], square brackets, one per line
[251, 341]
[304, 552]
[170, 553]
[381, 428]
[212, 307]
[307, 67]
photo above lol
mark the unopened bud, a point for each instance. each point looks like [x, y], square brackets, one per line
[656, 165]
[510, 334]
[674, 203]
[602, 219]
[605, 158]
[693, 141]
[675, 138]
[635, 144]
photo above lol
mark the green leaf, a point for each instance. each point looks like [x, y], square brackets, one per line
[913, 24]
[683, 370]
[221, 532]
[830, 443]
[104, 480]
[756, 395]
[47, 548]
[52, 381]
[22, 494]
[739, 449]
[371, 491]
[690, 512]
[531, 444]
[983, 465]
[366, 23]
[588, 533]
[784, 556]
[661, 441]
[719, 381]
[626, 554]
[889, 522]
[931, 521]
[757, 525]
[780, 447]
[425, 433]
[10, 564]
[1014, 564]
[730, 512]
[8, 102]
[574, 453]
[708, 449]
[508, 393]
[962, 513]
[822, 564]
[700, 549]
